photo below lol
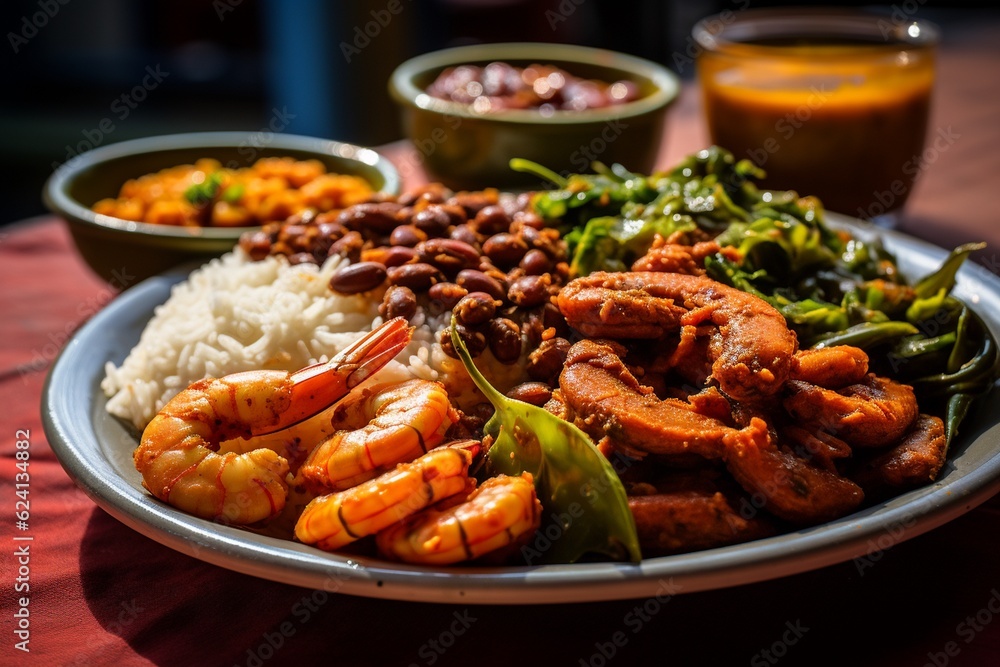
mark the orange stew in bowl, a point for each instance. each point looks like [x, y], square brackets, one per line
[499, 86]
[207, 194]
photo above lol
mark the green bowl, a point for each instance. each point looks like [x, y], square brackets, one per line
[123, 252]
[468, 150]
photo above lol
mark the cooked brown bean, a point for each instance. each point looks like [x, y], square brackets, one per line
[433, 220]
[473, 202]
[418, 276]
[449, 255]
[455, 213]
[376, 217]
[530, 219]
[530, 291]
[358, 277]
[546, 361]
[476, 308]
[349, 245]
[504, 337]
[477, 281]
[331, 229]
[398, 302]
[290, 232]
[446, 295]
[432, 192]
[505, 249]
[535, 393]
[256, 245]
[474, 418]
[553, 318]
[535, 262]
[475, 340]
[407, 235]
[491, 220]
[399, 255]
[466, 234]
[302, 258]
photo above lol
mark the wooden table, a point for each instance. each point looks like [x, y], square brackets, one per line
[101, 593]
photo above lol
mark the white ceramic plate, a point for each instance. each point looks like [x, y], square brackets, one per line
[96, 450]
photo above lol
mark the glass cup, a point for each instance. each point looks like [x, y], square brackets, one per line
[828, 102]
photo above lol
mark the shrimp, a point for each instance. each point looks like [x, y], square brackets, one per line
[830, 367]
[376, 428]
[336, 519]
[669, 256]
[179, 453]
[504, 510]
[751, 346]
[872, 413]
[789, 487]
[608, 401]
[916, 460]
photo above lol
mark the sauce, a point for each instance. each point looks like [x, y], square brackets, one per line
[844, 120]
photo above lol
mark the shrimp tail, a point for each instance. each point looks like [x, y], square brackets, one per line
[315, 388]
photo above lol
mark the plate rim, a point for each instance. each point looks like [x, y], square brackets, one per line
[288, 562]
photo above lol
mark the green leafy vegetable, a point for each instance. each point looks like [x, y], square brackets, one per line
[579, 490]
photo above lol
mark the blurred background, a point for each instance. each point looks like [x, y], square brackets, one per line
[78, 74]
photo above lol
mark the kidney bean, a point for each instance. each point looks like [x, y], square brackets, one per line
[433, 220]
[376, 217]
[475, 340]
[535, 393]
[256, 245]
[530, 291]
[431, 192]
[399, 255]
[302, 258]
[473, 202]
[547, 360]
[504, 337]
[552, 318]
[418, 276]
[535, 262]
[446, 295]
[466, 234]
[530, 219]
[477, 281]
[289, 233]
[455, 213]
[407, 235]
[476, 308]
[349, 245]
[505, 249]
[449, 255]
[470, 422]
[491, 220]
[398, 302]
[358, 277]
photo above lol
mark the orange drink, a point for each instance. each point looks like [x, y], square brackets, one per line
[829, 103]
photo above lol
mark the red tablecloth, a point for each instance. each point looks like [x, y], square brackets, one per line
[99, 593]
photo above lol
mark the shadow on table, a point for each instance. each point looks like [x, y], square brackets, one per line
[173, 609]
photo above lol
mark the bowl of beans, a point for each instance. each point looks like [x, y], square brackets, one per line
[140, 207]
[470, 110]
